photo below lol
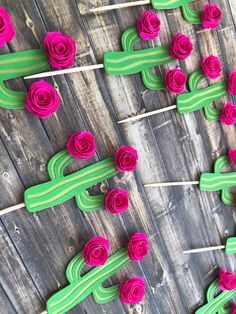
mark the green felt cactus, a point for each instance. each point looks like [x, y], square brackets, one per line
[230, 247]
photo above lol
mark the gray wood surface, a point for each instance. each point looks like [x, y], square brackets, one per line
[35, 248]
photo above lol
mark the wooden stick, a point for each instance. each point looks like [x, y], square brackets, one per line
[120, 6]
[44, 312]
[11, 209]
[148, 114]
[204, 249]
[171, 183]
[65, 71]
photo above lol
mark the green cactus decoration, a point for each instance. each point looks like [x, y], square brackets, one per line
[18, 64]
[231, 246]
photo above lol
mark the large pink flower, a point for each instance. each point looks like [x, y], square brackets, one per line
[175, 81]
[211, 16]
[138, 247]
[82, 145]
[7, 32]
[126, 159]
[117, 201]
[181, 47]
[233, 311]
[232, 83]
[96, 251]
[228, 114]
[227, 280]
[232, 156]
[211, 67]
[148, 25]
[132, 291]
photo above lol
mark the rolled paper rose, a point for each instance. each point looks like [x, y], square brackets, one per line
[211, 16]
[228, 114]
[211, 67]
[117, 201]
[181, 47]
[82, 145]
[227, 280]
[148, 25]
[138, 247]
[42, 100]
[60, 49]
[232, 156]
[126, 159]
[175, 81]
[96, 251]
[233, 311]
[232, 83]
[132, 291]
[7, 32]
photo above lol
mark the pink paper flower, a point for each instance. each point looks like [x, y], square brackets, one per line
[132, 291]
[228, 114]
[175, 81]
[117, 201]
[42, 100]
[232, 156]
[148, 25]
[96, 251]
[60, 49]
[227, 280]
[82, 145]
[138, 247]
[126, 159]
[232, 83]
[233, 311]
[181, 47]
[211, 67]
[7, 32]
[211, 16]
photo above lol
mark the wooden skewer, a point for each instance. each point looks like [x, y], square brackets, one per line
[44, 312]
[204, 249]
[147, 114]
[120, 6]
[171, 183]
[11, 209]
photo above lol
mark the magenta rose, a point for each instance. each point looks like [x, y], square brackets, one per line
[132, 291]
[232, 156]
[96, 251]
[117, 201]
[42, 100]
[148, 25]
[60, 49]
[181, 47]
[211, 16]
[138, 247]
[7, 32]
[126, 159]
[227, 280]
[228, 114]
[211, 67]
[233, 311]
[175, 81]
[82, 145]
[232, 83]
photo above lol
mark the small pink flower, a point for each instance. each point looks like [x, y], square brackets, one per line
[181, 47]
[211, 16]
[60, 49]
[228, 114]
[232, 156]
[211, 67]
[227, 280]
[233, 311]
[232, 83]
[82, 145]
[117, 201]
[7, 32]
[96, 251]
[42, 100]
[138, 247]
[148, 25]
[132, 291]
[126, 159]
[175, 81]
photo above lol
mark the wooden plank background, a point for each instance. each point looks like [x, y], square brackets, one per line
[35, 248]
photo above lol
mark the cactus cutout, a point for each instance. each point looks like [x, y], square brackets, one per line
[231, 246]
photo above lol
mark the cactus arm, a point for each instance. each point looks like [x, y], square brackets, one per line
[168, 4]
[195, 79]
[129, 38]
[190, 15]
[104, 295]
[231, 245]
[88, 203]
[11, 99]
[74, 268]
[58, 163]
[211, 292]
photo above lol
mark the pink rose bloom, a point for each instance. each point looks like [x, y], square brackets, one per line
[232, 83]
[211, 16]
[95, 252]
[181, 47]
[148, 25]
[82, 145]
[175, 81]
[7, 32]
[42, 100]
[138, 247]
[60, 49]
[126, 159]
[227, 280]
[233, 311]
[132, 291]
[211, 67]
[117, 201]
[228, 114]
[232, 156]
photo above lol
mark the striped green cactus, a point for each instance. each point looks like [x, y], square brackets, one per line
[231, 246]
[18, 64]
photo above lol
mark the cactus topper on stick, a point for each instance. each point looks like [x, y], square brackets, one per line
[62, 188]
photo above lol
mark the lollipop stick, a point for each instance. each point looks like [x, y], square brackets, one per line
[65, 71]
[11, 209]
[120, 6]
[171, 183]
[44, 312]
[204, 249]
